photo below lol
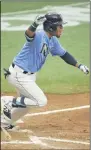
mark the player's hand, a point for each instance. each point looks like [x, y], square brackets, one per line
[40, 19]
[84, 68]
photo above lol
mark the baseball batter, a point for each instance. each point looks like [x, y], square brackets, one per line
[24, 67]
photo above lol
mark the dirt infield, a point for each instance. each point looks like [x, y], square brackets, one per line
[65, 128]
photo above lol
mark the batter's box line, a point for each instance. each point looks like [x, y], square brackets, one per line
[54, 111]
[36, 139]
[33, 140]
[64, 140]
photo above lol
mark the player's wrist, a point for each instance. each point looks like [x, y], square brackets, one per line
[33, 27]
[78, 65]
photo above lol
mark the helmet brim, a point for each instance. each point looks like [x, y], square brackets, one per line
[62, 23]
[65, 22]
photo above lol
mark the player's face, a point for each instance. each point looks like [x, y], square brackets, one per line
[59, 31]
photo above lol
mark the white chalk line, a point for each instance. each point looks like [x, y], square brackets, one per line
[59, 110]
[16, 142]
[54, 111]
[63, 140]
[33, 140]
[37, 140]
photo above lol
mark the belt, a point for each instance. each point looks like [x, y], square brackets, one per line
[25, 72]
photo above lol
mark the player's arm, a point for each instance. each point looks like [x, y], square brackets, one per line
[30, 32]
[68, 58]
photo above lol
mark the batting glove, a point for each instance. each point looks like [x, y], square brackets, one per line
[84, 68]
[40, 19]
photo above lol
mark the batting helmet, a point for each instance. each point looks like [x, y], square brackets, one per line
[52, 21]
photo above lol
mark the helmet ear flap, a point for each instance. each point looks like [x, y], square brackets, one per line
[54, 27]
[49, 26]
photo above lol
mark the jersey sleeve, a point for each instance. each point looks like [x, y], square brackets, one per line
[36, 37]
[56, 48]
[29, 39]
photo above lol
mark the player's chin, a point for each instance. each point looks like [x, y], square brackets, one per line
[58, 36]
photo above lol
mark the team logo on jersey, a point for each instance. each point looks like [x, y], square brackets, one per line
[44, 50]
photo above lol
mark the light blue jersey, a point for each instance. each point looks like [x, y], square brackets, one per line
[34, 53]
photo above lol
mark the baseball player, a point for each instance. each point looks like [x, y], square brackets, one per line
[24, 67]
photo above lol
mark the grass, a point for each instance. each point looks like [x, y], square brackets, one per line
[11, 6]
[56, 76]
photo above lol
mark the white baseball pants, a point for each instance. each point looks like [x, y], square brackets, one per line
[27, 86]
[25, 83]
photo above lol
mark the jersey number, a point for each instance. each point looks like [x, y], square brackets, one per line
[44, 50]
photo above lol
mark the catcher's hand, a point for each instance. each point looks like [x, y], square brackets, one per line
[84, 68]
[40, 19]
